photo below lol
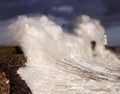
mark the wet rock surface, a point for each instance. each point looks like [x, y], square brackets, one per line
[4, 83]
[11, 58]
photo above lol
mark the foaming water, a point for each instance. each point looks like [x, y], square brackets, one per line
[62, 63]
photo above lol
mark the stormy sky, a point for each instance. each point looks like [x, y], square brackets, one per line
[93, 8]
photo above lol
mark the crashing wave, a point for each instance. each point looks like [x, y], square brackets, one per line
[63, 63]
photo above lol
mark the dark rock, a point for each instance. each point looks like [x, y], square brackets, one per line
[12, 58]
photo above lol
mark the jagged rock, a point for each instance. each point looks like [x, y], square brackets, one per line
[11, 58]
[4, 83]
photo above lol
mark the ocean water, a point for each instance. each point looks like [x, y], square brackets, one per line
[63, 63]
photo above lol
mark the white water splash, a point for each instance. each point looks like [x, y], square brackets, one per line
[61, 63]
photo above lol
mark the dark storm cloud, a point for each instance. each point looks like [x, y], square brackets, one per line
[11, 8]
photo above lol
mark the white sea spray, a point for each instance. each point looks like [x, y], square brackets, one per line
[62, 63]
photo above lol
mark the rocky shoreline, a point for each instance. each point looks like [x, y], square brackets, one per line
[12, 58]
